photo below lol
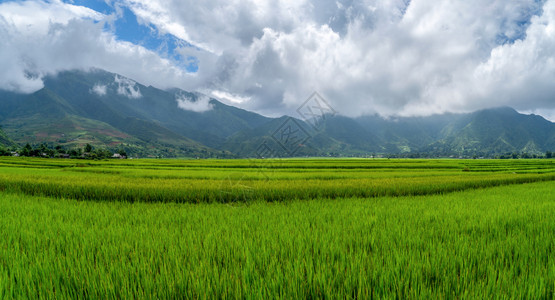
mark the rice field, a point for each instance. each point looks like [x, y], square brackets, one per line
[297, 228]
[225, 181]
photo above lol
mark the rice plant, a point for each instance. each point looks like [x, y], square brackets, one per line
[227, 181]
[296, 228]
[492, 243]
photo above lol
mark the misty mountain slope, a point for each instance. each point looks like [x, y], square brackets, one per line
[336, 135]
[122, 110]
[109, 110]
[498, 130]
[406, 134]
[350, 132]
[44, 110]
[489, 131]
[210, 124]
[68, 114]
[247, 142]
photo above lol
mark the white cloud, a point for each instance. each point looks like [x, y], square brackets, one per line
[200, 104]
[99, 89]
[127, 87]
[23, 27]
[546, 114]
[23, 16]
[228, 97]
[391, 57]
[522, 73]
[40, 38]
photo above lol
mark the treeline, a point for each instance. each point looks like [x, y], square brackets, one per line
[508, 155]
[548, 154]
[89, 152]
[58, 151]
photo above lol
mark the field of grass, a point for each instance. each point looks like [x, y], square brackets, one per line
[299, 228]
[200, 181]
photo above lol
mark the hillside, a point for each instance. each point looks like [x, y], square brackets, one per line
[483, 133]
[5, 141]
[108, 110]
[125, 97]
[69, 112]
[498, 130]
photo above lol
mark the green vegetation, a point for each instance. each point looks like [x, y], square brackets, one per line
[197, 181]
[44, 151]
[69, 113]
[296, 228]
[476, 244]
[4, 139]
[65, 112]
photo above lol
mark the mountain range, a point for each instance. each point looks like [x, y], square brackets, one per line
[104, 109]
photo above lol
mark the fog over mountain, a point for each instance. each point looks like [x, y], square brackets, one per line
[112, 111]
[394, 58]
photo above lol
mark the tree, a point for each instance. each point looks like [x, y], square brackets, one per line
[44, 151]
[122, 152]
[26, 151]
[75, 153]
[548, 154]
[88, 148]
[102, 153]
[60, 149]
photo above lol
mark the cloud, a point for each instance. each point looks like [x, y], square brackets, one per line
[200, 104]
[395, 57]
[23, 28]
[99, 89]
[40, 38]
[524, 71]
[225, 96]
[391, 57]
[127, 87]
[547, 114]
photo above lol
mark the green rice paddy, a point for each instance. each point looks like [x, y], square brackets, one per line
[297, 228]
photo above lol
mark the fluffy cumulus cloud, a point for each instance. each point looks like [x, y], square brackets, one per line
[40, 38]
[388, 57]
[393, 57]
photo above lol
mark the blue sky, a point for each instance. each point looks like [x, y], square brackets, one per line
[127, 28]
[394, 57]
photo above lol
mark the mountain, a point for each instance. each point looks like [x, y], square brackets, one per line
[105, 109]
[131, 99]
[5, 141]
[408, 134]
[485, 132]
[496, 130]
[108, 110]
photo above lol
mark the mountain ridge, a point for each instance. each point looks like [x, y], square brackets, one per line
[109, 110]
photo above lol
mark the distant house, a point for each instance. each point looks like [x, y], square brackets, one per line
[15, 154]
[119, 156]
[64, 155]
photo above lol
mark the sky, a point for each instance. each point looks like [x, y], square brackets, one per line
[387, 57]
